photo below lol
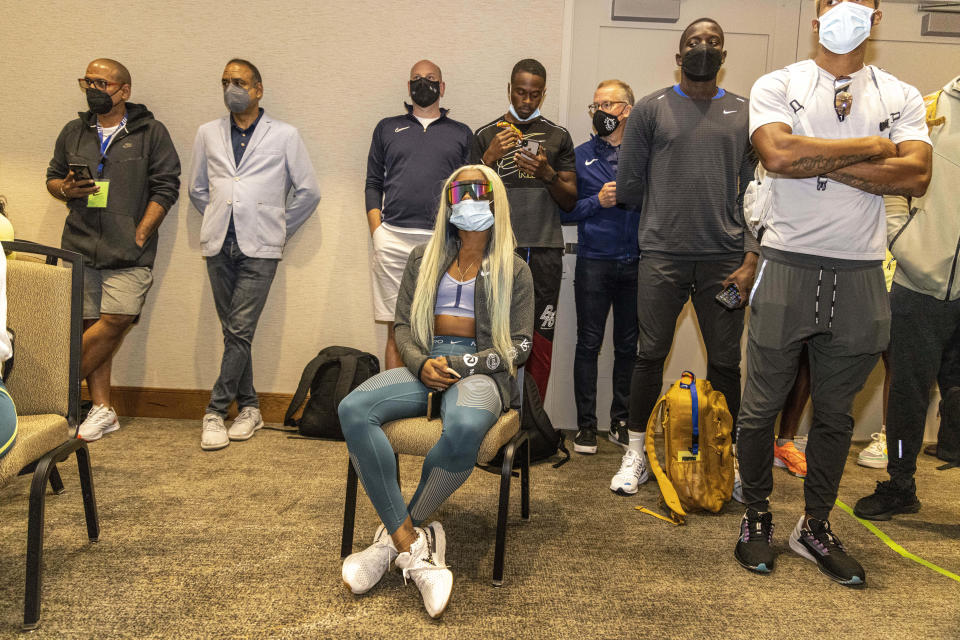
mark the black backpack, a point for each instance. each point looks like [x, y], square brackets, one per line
[334, 373]
[545, 441]
[948, 439]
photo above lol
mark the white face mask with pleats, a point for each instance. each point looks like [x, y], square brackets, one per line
[845, 27]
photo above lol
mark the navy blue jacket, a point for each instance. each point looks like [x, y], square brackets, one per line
[602, 234]
[408, 164]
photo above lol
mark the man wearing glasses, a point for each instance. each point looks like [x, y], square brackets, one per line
[410, 157]
[254, 184]
[116, 168]
[685, 162]
[835, 136]
[606, 272]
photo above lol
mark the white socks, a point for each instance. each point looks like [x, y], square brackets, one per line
[637, 440]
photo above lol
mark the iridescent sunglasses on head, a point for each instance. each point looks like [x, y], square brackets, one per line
[476, 189]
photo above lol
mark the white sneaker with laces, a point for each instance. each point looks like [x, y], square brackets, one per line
[424, 564]
[633, 473]
[363, 570]
[214, 434]
[875, 454]
[100, 421]
[245, 424]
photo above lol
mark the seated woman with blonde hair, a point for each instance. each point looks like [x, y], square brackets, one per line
[464, 321]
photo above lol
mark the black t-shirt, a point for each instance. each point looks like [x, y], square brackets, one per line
[533, 211]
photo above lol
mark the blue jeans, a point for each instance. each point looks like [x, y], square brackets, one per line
[8, 421]
[240, 286]
[599, 285]
[468, 409]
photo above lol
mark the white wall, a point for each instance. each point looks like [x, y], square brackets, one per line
[761, 35]
[333, 69]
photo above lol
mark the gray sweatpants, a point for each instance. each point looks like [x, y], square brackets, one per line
[840, 309]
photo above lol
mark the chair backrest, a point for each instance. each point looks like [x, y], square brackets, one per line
[44, 311]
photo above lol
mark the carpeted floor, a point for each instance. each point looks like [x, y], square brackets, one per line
[244, 543]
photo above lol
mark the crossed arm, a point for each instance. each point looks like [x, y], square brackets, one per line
[873, 164]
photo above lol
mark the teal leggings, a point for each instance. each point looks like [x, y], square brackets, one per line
[8, 421]
[468, 409]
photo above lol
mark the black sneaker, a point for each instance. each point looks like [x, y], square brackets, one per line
[888, 500]
[586, 441]
[753, 550]
[814, 540]
[618, 433]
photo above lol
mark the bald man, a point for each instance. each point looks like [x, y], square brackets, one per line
[410, 157]
[118, 172]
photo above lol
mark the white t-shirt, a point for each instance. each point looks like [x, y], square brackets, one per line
[425, 122]
[836, 220]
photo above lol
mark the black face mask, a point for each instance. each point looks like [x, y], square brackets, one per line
[100, 102]
[605, 123]
[424, 92]
[702, 63]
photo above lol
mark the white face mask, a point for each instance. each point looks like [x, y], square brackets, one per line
[535, 114]
[471, 215]
[845, 27]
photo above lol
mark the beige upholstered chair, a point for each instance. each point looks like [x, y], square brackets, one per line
[44, 312]
[416, 436]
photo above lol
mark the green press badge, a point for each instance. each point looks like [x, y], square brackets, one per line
[98, 200]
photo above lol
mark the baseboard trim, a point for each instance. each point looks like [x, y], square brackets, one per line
[147, 402]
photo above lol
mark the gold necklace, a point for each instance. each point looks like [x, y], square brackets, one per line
[468, 268]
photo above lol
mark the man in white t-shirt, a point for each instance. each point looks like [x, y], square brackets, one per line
[835, 136]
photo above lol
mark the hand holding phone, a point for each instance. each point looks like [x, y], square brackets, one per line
[530, 147]
[730, 297]
[81, 172]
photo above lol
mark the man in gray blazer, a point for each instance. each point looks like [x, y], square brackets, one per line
[254, 184]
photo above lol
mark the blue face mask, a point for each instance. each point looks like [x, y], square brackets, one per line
[535, 114]
[471, 215]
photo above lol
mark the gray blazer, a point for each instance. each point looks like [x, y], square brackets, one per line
[486, 361]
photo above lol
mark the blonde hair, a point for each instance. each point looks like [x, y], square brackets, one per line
[497, 266]
[622, 86]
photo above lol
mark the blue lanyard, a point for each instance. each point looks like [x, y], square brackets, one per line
[105, 142]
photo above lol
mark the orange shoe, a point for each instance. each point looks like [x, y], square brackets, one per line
[791, 458]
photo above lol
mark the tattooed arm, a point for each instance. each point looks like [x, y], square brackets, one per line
[794, 156]
[908, 174]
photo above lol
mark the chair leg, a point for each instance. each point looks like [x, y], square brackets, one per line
[349, 511]
[89, 497]
[56, 483]
[505, 475]
[525, 479]
[32, 591]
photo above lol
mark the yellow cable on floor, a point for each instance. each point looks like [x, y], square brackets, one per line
[657, 515]
[893, 545]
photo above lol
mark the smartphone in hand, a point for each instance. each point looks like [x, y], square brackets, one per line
[81, 172]
[730, 297]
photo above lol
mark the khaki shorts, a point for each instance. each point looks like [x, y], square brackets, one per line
[391, 248]
[120, 292]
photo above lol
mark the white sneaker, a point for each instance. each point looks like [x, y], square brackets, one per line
[875, 455]
[633, 473]
[424, 564]
[363, 570]
[214, 434]
[245, 424]
[737, 494]
[100, 421]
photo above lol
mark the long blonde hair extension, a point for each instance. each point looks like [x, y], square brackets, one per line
[497, 266]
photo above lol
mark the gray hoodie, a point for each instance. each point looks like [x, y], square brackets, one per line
[924, 236]
[486, 361]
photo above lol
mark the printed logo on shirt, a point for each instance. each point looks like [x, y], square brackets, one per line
[493, 361]
[726, 113]
[512, 353]
[129, 145]
[524, 345]
[399, 129]
[589, 162]
[470, 360]
[548, 317]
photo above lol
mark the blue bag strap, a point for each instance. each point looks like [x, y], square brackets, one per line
[694, 404]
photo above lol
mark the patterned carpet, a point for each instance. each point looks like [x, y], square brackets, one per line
[244, 543]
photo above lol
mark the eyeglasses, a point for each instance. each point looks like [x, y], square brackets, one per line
[476, 189]
[94, 83]
[606, 105]
[842, 98]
